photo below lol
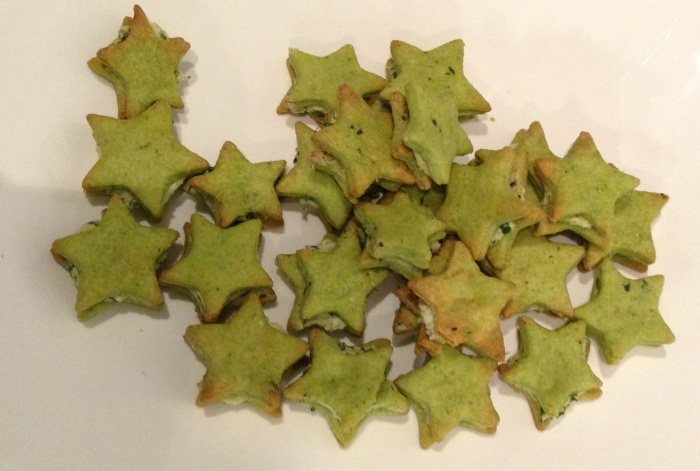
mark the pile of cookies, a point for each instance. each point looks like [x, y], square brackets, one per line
[469, 243]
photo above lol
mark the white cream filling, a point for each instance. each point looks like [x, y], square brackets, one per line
[316, 110]
[399, 265]
[569, 400]
[422, 165]
[124, 33]
[578, 221]
[326, 245]
[328, 409]
[428, 318]
[327, 321]
[127, 198]
[352, 349]
[88, 226]
[307, 203]
[235, 400]
[546, 199]
[500, 232]
[74, 273]
[172, 189]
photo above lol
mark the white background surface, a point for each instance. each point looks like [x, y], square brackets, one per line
[118, 392]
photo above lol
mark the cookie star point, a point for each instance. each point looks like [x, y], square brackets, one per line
[632, 243]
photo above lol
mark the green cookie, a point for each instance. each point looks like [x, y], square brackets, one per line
[114, 260]
[245, 358]
[219, 266]
[140, 159]
[142, 64]
[347, 384]
[624, 313]
[551, 369]
[313, 187]
[450, 390]
[401, 234]
[434, 133]
[441, 68]
[236, 189]
[315, 82]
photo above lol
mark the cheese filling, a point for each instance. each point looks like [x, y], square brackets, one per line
[428, 318]
[504, 229]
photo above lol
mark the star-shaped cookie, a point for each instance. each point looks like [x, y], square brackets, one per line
[315, 82]
[401, 234]
[245, 358]
[335, 287]
[551, 369]
[399, 150]
[236, 189]
[624, 313]
[433, 132]
[360, 141]
[142, 65]
[480, 201]
[347, 383]
[538, 268]
[533, 143]
[408, 316]
[581, 189]
[450, 390]
[461, 305]
[219, 266]
[441, 68]
[140, 159]
[632, 244]
[313, 187]
[288, 265]
[114, 260]
[498, 252]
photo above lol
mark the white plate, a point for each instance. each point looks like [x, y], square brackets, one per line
[118, 392]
